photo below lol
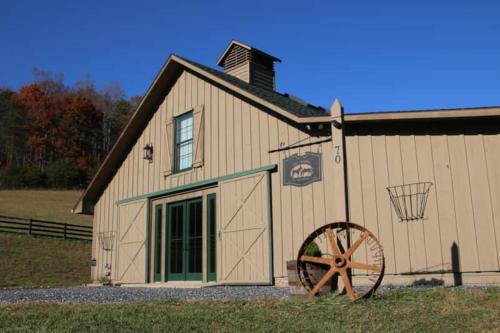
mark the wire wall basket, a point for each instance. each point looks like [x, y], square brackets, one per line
[409, 200]
[106, 239]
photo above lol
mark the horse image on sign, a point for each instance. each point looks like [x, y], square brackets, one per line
[302, 170]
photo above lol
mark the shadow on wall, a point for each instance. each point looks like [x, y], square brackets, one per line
[455, 269]
[455, 265]
[428, 283]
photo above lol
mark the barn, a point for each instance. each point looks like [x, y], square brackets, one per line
[218, 178]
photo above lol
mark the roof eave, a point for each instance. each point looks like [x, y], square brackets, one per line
[78, 208]
[423, 115]
[83, 206]
[242, 92]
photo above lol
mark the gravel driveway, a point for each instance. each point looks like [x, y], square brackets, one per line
[78, 295]
[81, 295]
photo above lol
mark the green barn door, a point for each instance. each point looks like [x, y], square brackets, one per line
[175, 242]
[184, 241]
[194, 240]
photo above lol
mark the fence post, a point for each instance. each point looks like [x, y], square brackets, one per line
[65, 225]
[29, 230]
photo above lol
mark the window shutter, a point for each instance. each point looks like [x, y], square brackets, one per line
[198, 136]
[169, 159]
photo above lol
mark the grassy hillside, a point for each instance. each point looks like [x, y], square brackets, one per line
[436, 310]
[35, 262]
[43, 204]
[43, 262]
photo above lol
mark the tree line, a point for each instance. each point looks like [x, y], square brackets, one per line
[55, 136]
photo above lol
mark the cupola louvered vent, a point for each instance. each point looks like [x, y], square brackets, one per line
[236, 57]
[249, 64]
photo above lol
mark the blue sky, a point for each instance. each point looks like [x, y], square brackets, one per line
[372, 55]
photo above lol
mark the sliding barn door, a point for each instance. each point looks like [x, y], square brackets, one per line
[244, 230]
[132, 242]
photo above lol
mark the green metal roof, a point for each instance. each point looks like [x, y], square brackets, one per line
[284, 101]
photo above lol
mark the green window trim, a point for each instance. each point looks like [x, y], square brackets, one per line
[157, 243]
[178, 143]
[169, 276]
[198, 184]
[184, 252]
[211, 238]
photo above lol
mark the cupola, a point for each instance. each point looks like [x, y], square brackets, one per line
[249, 64]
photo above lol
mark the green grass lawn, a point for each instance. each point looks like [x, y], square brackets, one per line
[435, 310]
[43, 262]
[42, 204]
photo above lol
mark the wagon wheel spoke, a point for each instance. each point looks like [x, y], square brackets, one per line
[347, 284]
[317, 260]
[368, 267]
[333, 241]
[323, 281]
[356, 244]
[315, 273]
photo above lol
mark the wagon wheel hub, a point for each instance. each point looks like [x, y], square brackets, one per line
[339, 261]
[351, 265]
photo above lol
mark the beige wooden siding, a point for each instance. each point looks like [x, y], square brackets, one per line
[244, 230]
[131, 242]
[462, 206]
[242, 71]
[237, 137]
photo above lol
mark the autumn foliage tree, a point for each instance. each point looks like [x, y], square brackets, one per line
[13, 131]
[43, 113]
[57, 135]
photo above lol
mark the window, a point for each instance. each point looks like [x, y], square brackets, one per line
[183, 142]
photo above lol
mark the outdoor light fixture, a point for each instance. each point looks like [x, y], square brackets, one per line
[148, 152]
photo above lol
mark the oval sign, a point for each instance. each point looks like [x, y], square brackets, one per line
[302, 170]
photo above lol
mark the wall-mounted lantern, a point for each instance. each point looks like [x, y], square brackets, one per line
[148, 152]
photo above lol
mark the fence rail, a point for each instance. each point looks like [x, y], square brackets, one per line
[37, 227]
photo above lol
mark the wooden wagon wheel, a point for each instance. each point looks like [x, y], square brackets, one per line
[344, 250]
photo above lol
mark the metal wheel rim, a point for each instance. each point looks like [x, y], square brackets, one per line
[340, 263]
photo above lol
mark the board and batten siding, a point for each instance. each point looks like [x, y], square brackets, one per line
[463, 209]
[241, 71]
[237, 137]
